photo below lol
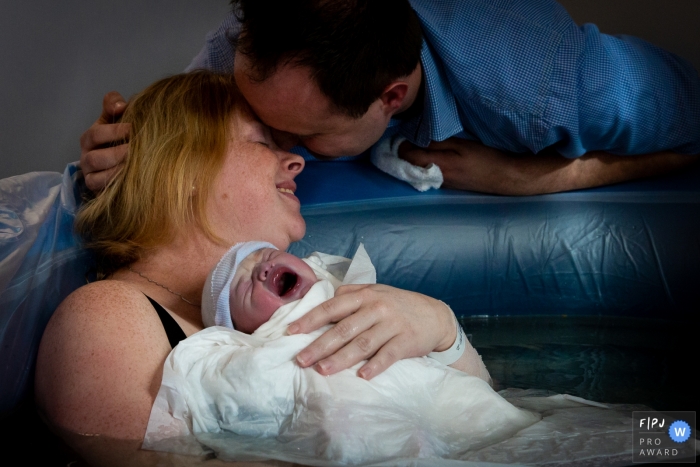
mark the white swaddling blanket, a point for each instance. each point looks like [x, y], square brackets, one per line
[245, 397]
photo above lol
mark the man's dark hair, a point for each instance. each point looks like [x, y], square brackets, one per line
[354, 48]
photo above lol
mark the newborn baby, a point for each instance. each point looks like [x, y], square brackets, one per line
[243, 395]
[262, 279]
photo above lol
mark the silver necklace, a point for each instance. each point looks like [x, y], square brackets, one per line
[163, 286]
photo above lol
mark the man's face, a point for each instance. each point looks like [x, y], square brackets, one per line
[290, 101]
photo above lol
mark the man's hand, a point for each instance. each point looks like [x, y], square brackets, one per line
[99, 154]
[376, 322]
[468, 165]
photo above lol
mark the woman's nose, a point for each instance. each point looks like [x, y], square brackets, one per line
[291, 162]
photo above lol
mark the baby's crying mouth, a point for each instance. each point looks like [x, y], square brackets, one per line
[286, 283]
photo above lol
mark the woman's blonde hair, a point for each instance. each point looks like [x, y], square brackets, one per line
[180, 127]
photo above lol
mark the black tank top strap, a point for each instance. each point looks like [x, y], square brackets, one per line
[172, 329]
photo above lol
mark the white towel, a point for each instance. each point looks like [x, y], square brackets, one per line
[385, 155]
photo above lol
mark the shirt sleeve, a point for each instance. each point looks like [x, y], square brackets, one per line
[219, 50]
[522, 77]
[623, 95]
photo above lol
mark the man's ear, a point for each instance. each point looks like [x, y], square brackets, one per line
[393, 96]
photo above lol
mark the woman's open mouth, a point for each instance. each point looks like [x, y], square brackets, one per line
[288, 191]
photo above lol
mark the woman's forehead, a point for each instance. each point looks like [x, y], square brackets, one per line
[245, 125]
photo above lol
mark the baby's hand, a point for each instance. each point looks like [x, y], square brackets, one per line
[376, 322]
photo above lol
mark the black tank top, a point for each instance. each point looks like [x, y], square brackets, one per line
[172, 329]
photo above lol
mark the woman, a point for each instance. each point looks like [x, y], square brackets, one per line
[202, 174]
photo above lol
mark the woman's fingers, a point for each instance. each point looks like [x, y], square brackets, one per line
[386, 356]
[341, 310]
[330, 311]
[362, 346]
[375, 322]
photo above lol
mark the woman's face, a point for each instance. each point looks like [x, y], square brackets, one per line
[253, 195]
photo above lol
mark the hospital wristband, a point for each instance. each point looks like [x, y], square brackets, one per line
[451, 355]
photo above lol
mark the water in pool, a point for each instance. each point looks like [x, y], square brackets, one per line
[605, 359]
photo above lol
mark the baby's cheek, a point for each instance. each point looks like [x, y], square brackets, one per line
[265, 307]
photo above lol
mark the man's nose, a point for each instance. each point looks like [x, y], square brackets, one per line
[284, 140]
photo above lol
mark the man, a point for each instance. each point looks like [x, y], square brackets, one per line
[493, 92]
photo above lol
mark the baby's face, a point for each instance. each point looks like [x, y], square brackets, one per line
[264, 281]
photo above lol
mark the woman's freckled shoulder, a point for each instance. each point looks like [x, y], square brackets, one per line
[104, 301]
[100, 359]
[108, 313]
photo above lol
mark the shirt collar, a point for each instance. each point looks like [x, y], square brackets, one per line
[440, 117]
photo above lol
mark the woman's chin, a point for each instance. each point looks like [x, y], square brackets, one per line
[299, 232]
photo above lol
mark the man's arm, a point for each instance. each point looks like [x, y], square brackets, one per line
[467, 165]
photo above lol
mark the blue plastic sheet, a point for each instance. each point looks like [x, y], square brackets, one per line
[41, 262]
[632, 249]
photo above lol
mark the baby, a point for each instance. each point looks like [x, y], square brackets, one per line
[236, 389]
[260, 280]
[255, 279]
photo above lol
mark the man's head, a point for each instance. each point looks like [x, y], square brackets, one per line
[332, 72]
[250, 282]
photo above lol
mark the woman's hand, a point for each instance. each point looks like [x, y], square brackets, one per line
[99, 154]
[376, 322]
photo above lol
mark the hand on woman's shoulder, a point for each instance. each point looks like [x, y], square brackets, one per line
[100, 361]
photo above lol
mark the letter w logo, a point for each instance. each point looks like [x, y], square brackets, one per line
[680, 431]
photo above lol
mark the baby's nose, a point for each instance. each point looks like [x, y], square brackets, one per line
[262, 271]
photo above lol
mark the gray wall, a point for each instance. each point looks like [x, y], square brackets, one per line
[59, 58]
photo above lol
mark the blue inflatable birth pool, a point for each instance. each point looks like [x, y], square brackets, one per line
[627, 250]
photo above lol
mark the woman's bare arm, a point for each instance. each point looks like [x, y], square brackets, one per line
[99, 369]
[100, 362]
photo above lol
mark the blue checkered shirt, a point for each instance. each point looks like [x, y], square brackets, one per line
[521, 76]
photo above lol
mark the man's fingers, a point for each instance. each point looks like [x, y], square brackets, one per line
[98, 136]
[103, 159]
[113, 106]
[96, 181]
[423, 157]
